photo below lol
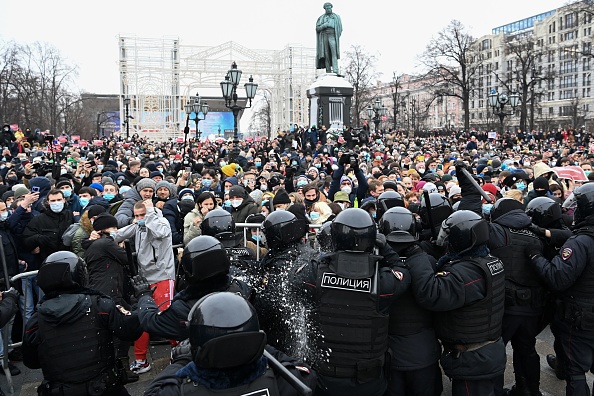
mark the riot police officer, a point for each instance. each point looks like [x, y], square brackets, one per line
[414, 347]
[433, 212]
[274, 302]
[70, 337]
[571, 274]
[206, 267]
[467, 295]
[219, 223]
[225, 355]
[350, 291]
[387, 200]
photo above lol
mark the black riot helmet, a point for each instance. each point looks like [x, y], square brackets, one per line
[584, 198]
[388, 200]
[463, 230]
[440, 209]
[205, 257]
[219, 224]
[225, 332]
[324, 236]
[353, 229]
[62, 271]
[399, 225]
[545, 212]
[503, 206]
[282, 228]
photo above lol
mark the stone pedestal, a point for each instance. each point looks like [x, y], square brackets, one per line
[330, 101]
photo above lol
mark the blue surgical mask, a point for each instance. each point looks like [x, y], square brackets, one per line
[188, 197]
[258, 164]
[67, 193]
[318, 166]
[314, 216]
[109, 197]
[57, 207]
[373, 215]
[301, 183]
[4, 216]
[227, 203]
[83, 201]
[206, 182]
[226, 192]
[113, 234]
[141, 223]
[587, 173]
[521, 186]
[487, 208]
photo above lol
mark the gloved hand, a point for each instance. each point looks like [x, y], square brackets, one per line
[460, 165]
[541, 232]
[380, 241]
[532, 251]
[11, 294]
[182, 352]
[141, 286]
[289, 172]
[344, 159]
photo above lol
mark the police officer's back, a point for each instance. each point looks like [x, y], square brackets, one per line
[467, 294]
[70, 337]
[433, 212]
[571, 274]
[206, 268]
[351, 291]
[225, 355]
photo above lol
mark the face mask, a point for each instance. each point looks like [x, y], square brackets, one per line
[260, 238]
[99, 167]
[258, 164]
[301, 183]
[206, 182]
[4, 216]
[109, 197]
[151, 156]
[346, 189]
[63, 171]
[314, 216]
[124, 189]
[587, 173]
[263, 187]
[113, 234]
[318, 166]
[67, 193]
[223, 163]
[378, 157]
[521, 186]
[487, 208]
[187, 197]
[124, 169]
[160, 155]
[160, 170]
[57, 207]
[432, 170]
[236, 202]
[373, 215]
[226, 192]
[83, 201]
[421, 170]
[141, 223]
[342, 205]
[294, 163]
[245, 183]
[227, 203]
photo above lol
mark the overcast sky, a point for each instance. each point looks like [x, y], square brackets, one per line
[85, 33]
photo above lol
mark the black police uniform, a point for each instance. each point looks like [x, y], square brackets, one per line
[571, 274]
[171, 323]
[70, 338]
[351, 319]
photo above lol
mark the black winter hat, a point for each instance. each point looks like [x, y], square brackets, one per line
[281, 197]
[104, 221]
[540, 183]
[237, 191]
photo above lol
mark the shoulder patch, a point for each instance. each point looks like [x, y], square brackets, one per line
[123, 310]
[442, 273]
[399, 275]
[566, 253]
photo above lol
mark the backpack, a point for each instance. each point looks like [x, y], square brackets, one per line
[69, 234]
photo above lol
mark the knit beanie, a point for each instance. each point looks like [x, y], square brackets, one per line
[20, 192]
[146, 183]
[104, 221]
[229, 169]
[281, 197]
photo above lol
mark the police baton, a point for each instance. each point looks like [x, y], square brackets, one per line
[287, 375]
[429, 215]
[6, 327]
[131, 263]
[475, 184]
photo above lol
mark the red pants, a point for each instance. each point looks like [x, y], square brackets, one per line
[162, 295]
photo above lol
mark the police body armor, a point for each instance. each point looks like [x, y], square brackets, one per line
[264, 385]
[524, 289]
[407, 316]
[481, 321]
[577, 305]
[355, 333]
[77, 352]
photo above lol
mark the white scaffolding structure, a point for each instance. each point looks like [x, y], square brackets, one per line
[159, 76]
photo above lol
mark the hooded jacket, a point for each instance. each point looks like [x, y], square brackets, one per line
[125, 213]
[247, 207]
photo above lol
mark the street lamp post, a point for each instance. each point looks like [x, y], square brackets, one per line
[229, 90]
[128, 116]
[197, 107]
[498, 101]
[376, 113]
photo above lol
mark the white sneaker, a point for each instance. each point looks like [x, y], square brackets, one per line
[140, 366]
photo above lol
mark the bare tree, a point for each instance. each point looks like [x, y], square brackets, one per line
[396, 85]
[452, 61]
[262, 115]
[361, 73]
